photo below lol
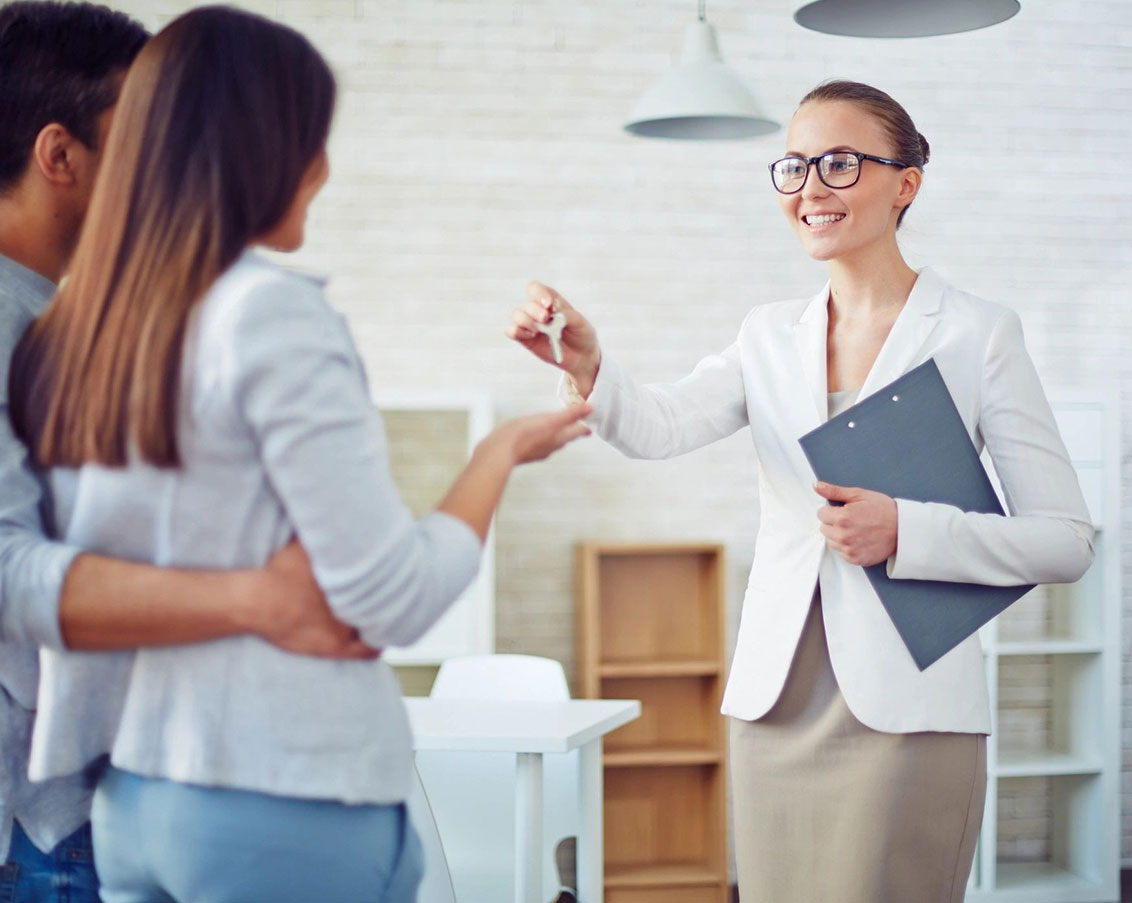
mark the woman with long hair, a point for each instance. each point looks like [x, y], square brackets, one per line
[856, 776]
[197, 406]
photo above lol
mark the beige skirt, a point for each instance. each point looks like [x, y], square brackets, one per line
[830, 811]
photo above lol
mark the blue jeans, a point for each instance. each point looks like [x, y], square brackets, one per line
[65, 875]
[159, 841]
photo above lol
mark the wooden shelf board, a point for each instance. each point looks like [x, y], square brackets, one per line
[684, 874]
[623, 758]
[1044, 764]
[686, 668]
[651, 549]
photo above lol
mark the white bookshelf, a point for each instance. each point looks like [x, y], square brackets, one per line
[1067, 637]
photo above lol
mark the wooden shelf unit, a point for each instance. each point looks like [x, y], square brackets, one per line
[650, 626]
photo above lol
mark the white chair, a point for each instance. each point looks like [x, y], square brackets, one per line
[436, 883]
[473, 794]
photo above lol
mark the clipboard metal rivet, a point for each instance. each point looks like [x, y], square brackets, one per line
[851, 424]
[895, 397]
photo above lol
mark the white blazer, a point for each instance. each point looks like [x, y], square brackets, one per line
[773, 379]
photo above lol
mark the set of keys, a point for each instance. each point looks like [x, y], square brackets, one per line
[553, 331]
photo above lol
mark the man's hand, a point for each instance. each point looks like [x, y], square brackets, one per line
[292, 613]
[863, 530]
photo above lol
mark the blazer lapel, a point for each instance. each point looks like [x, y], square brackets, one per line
[901, 350]
[810, 336]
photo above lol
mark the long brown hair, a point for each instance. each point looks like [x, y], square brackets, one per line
[909, 145]
[219, 118]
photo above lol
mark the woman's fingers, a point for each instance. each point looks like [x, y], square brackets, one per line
[546, 298]
[524, 324]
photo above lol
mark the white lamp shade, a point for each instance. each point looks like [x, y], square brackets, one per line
[701, 99]
[901, 18]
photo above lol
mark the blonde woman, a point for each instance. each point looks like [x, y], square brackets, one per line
[857, 777]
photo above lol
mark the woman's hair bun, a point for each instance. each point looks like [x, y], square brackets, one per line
[924, 148]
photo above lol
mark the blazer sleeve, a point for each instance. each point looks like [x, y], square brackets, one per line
[298, 385]
[665, 420]
[1049, 536]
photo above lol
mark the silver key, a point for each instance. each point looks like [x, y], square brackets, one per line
[553, 331]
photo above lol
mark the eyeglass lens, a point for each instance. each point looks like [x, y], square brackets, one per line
[837, 170]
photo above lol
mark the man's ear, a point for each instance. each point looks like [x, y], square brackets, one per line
[54, 154]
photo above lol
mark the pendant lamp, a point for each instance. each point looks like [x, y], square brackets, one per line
[701, 99]
[901, 18]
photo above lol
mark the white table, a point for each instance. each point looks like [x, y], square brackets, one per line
[530, 729]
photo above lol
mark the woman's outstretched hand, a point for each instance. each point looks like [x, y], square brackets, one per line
[581, 354]
[863, 529]
[538, 436]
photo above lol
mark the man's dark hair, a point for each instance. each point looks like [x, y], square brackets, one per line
[58, 63]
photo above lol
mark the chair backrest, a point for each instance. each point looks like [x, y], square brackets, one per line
[500, 677]
[436, 883]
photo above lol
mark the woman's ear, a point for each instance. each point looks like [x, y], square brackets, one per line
[910, 181]
[55, 154]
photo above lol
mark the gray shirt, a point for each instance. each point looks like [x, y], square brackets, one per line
[278, 436]
[31, 578]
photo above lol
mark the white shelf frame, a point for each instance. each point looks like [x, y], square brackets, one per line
[1086, 781]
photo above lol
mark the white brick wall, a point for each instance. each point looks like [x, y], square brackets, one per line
[478, 145]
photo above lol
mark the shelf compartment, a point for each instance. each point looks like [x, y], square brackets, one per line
[675, 712]
[1046, 881]
[1064, 612]
[1050, 710]
[1041, 847]
[659, 606]
[663, 819]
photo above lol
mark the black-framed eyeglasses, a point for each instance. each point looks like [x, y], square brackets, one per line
[837, 169]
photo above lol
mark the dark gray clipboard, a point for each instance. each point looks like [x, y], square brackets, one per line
[908, 441]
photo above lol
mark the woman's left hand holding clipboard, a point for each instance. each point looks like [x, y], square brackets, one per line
[860, 525]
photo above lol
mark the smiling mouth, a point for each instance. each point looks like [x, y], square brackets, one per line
[822, 219]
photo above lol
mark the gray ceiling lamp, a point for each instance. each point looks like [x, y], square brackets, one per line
[701, 99]
[901, 18]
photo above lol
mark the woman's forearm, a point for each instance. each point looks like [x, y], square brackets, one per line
[475, 495]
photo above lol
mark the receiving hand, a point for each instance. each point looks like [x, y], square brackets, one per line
[296, 617]
[537, 436]
[863, 530]
[580, 352]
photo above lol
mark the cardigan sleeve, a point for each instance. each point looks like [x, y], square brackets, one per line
[1048, 537]
[298, 385]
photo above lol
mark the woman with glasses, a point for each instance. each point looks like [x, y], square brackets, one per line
[856, 776]
[199, 405]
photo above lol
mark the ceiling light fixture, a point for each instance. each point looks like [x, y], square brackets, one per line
[701, 99]
[901, 18]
